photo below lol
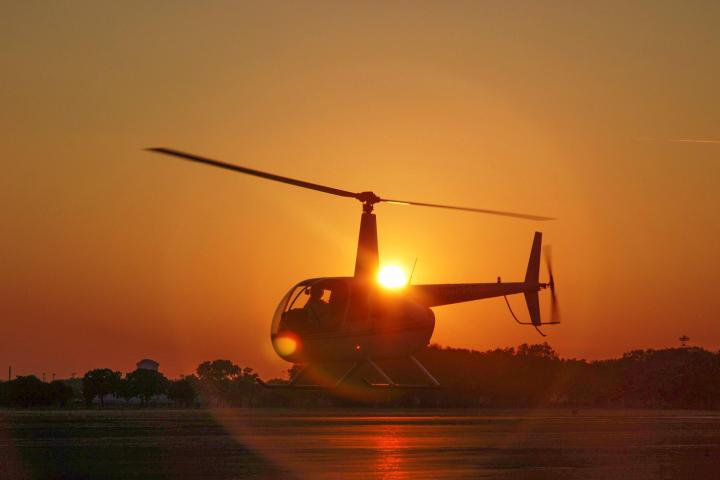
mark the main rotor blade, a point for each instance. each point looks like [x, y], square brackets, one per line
[366, 197]
[250, 171]
[468, 209]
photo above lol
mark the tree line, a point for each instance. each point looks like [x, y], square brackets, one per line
[214, 383]
[526, 376]
[534, 375]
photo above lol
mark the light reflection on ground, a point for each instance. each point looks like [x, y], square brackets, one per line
[543, 445]
[389, 445]
[358, 444]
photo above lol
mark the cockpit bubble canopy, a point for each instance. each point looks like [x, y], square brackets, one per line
[312, 306]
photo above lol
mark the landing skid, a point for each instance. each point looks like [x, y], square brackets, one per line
[389, 382]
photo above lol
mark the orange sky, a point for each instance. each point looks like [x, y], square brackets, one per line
[110, 254]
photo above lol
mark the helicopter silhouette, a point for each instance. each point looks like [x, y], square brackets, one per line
[354, 320]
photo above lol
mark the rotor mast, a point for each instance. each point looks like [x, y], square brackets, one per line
[367, 257]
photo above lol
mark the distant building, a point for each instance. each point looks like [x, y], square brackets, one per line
[148, 364]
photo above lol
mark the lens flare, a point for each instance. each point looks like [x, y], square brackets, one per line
[392, 276]
[285, 345]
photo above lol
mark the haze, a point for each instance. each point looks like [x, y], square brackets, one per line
[569, 109]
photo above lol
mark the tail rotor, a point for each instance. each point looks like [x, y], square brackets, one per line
[533, 286]
[554, 313]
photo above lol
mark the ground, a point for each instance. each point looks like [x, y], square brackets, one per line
[358, 444]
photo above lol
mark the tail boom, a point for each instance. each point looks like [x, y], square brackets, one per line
[447, 294]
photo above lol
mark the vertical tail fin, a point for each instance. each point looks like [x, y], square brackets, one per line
[533, 269]
[533, 304]
[533, 276]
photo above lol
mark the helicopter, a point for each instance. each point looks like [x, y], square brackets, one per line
[354, 320]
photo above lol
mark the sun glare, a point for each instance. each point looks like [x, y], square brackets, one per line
[285, 345]
[392, 276]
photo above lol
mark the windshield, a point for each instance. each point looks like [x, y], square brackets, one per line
[312, 307]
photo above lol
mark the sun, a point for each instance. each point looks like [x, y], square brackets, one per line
[392, 276]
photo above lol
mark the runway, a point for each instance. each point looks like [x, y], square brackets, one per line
[360, 444]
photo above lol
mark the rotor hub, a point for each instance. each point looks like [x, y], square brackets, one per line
[368, 199]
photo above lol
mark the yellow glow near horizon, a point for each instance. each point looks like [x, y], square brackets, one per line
[392, 276]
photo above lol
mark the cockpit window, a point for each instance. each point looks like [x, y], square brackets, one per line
[301, 295]
[313, 307]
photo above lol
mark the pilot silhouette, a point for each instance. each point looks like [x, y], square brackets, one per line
[317, 308]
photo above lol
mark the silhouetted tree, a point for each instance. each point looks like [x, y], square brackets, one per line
[675, 377]
[30, 391]
[76, 385]
[215, 379]
[184, 390]
[100, 382]
[221, 381]
[59, 392]
[3, 393]
[27, 391]
[218, 371]
[294, 370]
[145, 384]
[244, 387]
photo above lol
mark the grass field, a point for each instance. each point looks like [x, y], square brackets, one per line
[358, 444]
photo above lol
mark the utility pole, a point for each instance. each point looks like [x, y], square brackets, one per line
[683, 341]
[9, 373]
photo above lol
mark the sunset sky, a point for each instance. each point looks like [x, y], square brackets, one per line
[605, 115]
